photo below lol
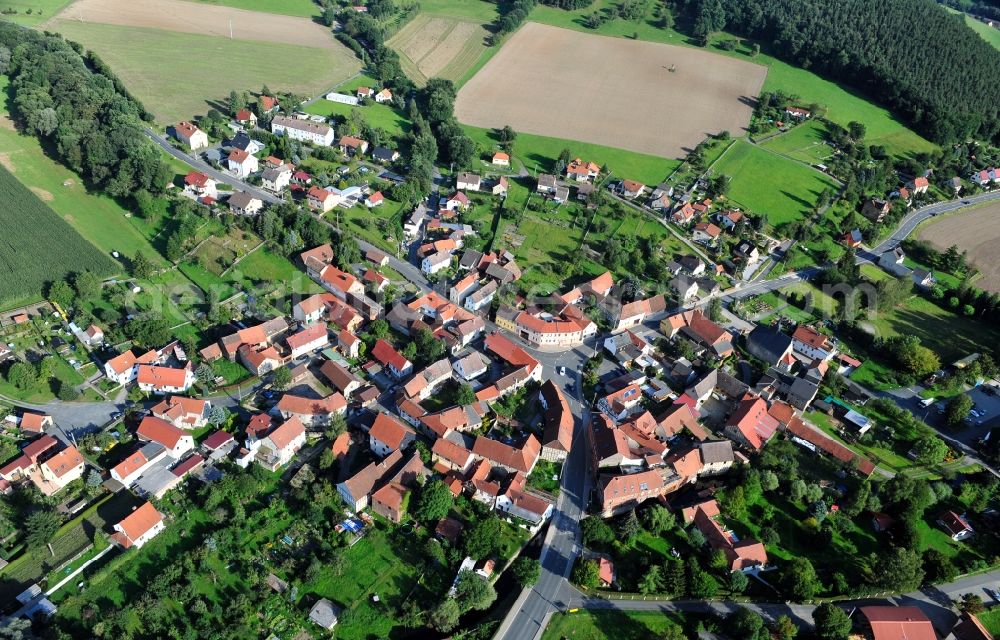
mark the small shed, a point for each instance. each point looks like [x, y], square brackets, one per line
[324, 613]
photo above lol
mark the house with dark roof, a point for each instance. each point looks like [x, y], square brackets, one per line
[771, 345]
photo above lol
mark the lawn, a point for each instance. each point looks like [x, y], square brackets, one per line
[991, 620]
[805, 143]
[299, 8]
[545, 476]
[873, 273]
[539, 153]
[781, 189]
[988, 33]
[882, 456]
[40, 10]
[601, 625]
[842, 104]
[381, 116]
[950, 335]
[204, 69]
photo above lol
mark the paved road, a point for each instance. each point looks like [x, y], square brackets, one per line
[933, 601]
[527, 617]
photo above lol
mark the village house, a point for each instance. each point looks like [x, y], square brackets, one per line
[751, 425]
[303, 130]
[398, 366]
[309, 339]
[160, 379]
[517, 501]
[242, 164]
[436, 262]
[557, 431]
[771, 345]
[955, 525]
[423, 384]
[353, 146]
[322, 200]
[456, 201]
[471, 366]
[123, 368]
[246, 118]
[918, 185]
[468, 182]
[632, 189]
[355, 491]
[47, 464]
[500, 159]
[639, 311]
[174, 440]
[242, 203]
[705, 233]
[218, 445]
[546, 184]
[698, 328]
[449, 456]
[276, 179]
[374, 200]
[897, 623]
[580, 171]
[139, 527]
[741, 555]
[876, 209]
[384, 155]
[513, 459]
[349, 344]
[853, 239]
[311, 412]
[279, 446]
[191, 135]
[35, 423]
[388, 434]
[809, 342]
[201, 185]
[183, 412]
[340, 378]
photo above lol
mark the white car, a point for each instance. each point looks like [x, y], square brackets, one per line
[561, 370]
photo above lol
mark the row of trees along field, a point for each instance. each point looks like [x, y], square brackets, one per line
[78, 108]
[910, 55]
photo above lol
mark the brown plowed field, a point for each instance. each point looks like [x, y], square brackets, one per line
[610, 91]
[976, 231]
[203, 19]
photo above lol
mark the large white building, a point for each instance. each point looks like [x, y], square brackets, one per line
[304, 130]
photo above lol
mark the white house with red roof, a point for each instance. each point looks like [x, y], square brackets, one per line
[191, 135]
[183, 412]
[388, 434]
[340, 283]
[174, 440]
[632, 189]
[394, 361]
[159, 379]
[456, 201]
[123, 368]
[705, 232]
[241, 163]
[812, 344]
[375, 200]
[136, 463]
[310, 338]
[320, 199]
[383, 96]
[311, 412]
[201, 185]
[138, 527]
[280, 445]
[35, 422]
[918, 185]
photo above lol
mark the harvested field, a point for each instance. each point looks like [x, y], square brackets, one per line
[976, 231]
[181, 75]
[438, 46]
[202, 19]
[610, 91]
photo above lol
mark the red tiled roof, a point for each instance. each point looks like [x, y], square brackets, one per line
[130, 465]
[159, 430]
[898, 623]
[33, 421]
[139, 522]
[522, 459]
[65, 461]
[810, 336]
[389, 431]
[283, 435]
[217, 439]
[162, 377]
[387, 355]
[312, 406]
[189, 464]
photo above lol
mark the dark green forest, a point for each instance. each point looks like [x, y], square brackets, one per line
[910, 55]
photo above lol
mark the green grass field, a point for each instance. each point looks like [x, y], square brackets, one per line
[202, 70]
[299, 8]
[539, 153]
[988, 33]
[782, 190]
[605, 625]
[380, 116]
[948, 334]
[843, 105]
[805, 143]
[991, 620]
[41, 10]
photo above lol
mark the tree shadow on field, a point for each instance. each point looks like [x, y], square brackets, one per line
[798, 199]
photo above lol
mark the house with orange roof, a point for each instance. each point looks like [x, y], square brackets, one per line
[241, 163]
[138, 527]
[390, 501]
[622, 492]
[190, 135]
[918, 185]
[122, 369]
[348, 344]
[812, 344]
[388, 434]
[449, 456]
[260, 360]
[898, 623]
[161, 379]
[742, 555]
[580, 171]
[322, 200]
[620, 404]
[174, 440]
[751, 425]
[136, 463]
[398, 366]
[683, 214]
[352, 146]
[519, 502]
[705, 233]
[35, 422]
[508, 457]
[279, 446]
[200, 184]
[246, 117]
[340, 283]
[632, 189]
[385, 95]
[500, 159]
[312, 412]
[183, 412]
[309, 339]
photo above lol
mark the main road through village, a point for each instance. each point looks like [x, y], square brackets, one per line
[561, 546]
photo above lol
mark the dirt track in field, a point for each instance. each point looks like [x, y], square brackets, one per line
[976, 231]
[611, 91]
[202, 19]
